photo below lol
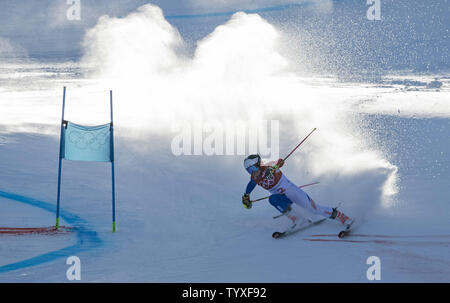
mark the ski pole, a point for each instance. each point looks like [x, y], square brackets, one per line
[299, 144]
[301, 186]
[276, 166]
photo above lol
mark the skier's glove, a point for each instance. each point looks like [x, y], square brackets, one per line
[270, 170]
[246, 201]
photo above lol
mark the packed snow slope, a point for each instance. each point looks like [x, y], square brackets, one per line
[381, 149]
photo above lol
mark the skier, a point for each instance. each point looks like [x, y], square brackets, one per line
[283, 192]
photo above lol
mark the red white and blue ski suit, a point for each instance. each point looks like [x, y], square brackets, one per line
[283, 191]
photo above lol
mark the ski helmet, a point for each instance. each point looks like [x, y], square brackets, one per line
[251, 163]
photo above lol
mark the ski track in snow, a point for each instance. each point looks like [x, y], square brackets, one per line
[348, 239]
[86, 239]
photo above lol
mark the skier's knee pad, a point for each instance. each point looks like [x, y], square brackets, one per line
[280, 202]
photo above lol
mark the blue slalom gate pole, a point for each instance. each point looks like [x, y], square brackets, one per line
[60, 159]
[112, 167]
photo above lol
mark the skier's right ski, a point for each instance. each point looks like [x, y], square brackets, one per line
[292, 230]
[346, 231]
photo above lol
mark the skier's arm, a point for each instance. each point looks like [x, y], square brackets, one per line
[280, 163]
[273, 167]
[250, 187]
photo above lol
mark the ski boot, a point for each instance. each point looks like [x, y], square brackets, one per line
[345, 220]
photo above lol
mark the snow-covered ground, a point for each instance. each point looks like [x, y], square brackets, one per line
[381, 149]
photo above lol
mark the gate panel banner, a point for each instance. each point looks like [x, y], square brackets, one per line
[86, 143]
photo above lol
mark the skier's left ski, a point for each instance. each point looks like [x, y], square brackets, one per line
[292, 230]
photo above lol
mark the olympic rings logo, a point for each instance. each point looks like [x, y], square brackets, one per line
[88, 140]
